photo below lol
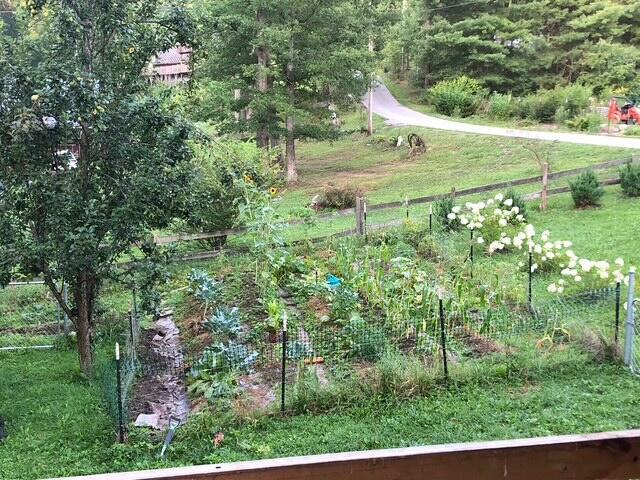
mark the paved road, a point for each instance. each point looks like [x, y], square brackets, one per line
[385, 105]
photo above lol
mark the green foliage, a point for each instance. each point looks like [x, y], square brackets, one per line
[518, 201]
[225, 321]
[361, 339]
[585, 123]
[214, 386]
[632, 131]
[229, 356]
[203, 287]
[630, 179]
[220, 171]
[460, 97]
[441, 209]
[403, 376]
[586, 190]
[344, 303]
[500, 106]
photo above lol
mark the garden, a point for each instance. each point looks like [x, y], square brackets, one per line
[370, 322]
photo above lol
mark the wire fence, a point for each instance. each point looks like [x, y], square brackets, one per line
[30, 318]
[268, 364]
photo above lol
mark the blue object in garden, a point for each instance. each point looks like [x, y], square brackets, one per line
[333, 281]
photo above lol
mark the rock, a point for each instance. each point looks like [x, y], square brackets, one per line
[151, 420]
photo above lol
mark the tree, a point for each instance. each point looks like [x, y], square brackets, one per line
[291, 60]
[74, 82]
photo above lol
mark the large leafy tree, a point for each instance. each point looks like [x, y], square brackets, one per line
[288, 60]
[74, 82]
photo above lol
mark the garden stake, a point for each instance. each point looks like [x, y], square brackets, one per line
[471, 254]
[617, 331]
[364, 207]
[119, 391]
[530, 292]
[284, 361]
[630, 324]
[430, 219]
[443, 340]
[406, 204]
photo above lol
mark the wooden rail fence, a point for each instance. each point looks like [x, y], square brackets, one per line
[164, 240]
[599, 456]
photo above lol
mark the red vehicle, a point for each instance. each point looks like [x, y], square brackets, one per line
[628, 113]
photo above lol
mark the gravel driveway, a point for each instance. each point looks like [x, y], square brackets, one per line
[386, 106]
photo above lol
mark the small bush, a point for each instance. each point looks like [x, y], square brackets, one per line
[630, 179]
[500, 106]
[339, 198]
[518, 201]
[632, 131]
[442, 208]
[586, 191]
[461, 96]
[585, 123]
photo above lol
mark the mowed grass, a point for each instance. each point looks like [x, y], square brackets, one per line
[57, 428]
[453, 160]
[55, 421]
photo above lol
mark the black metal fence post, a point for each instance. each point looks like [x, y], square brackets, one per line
[443, 341]
[430, 219]
[617, 330]
[119, 394]
[284, 364]
[406, 204]
[530, 286]
[471, 252]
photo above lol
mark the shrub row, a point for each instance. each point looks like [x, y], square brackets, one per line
[464, 96]
[587, 190]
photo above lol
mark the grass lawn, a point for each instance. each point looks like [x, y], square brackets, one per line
[55, 421]
[56, 426]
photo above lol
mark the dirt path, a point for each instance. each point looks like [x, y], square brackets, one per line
[385, 105]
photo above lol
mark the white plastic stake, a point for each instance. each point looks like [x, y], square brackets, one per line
[284, 322]
[117, 351]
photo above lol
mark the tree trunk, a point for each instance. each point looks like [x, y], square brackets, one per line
[84, 295]
[292, 172]
[262, 83]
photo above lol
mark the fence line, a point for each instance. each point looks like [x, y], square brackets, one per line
[164, 240]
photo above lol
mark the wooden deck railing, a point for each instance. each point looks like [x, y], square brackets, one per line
[611, 456]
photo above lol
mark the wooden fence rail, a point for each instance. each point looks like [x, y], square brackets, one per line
[421, 200]
[611, 456]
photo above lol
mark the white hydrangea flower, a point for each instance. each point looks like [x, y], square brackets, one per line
[619, 261]
[499, 197]
[451, 216]
[480, 240]
[503, 222]
[508, 202]
[552, 288]
[456, 209]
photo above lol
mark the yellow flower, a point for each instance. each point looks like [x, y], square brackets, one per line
[248, 179]
[273, 191]
[131, 50]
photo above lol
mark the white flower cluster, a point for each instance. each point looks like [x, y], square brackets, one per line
[577, 268]
[474, 215]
